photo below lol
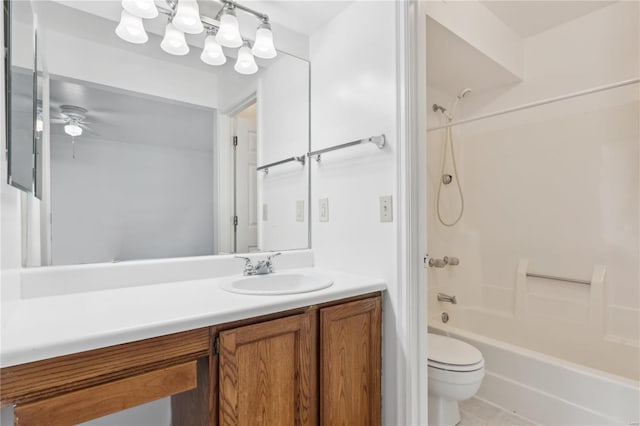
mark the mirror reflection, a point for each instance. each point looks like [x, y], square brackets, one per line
[21, 93]
[152, 155]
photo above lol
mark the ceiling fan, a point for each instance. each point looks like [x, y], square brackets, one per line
[73, 118]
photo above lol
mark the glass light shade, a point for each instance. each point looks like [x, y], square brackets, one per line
[73, 129]
[141, 8]
[39, 125]
[246, 63]
[187, 17]
[229, 31]
[174, 41]
[131, 28]
[212, 53]
[263, 47]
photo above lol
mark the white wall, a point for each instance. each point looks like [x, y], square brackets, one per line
[124, 201]
[557, 186]
[353, 96]
[283, 132]
[86, 60]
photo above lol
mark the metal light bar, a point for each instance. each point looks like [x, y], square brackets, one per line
[538, 103]
[255, 13]
[379, 141]
[266, 167]
[551, 277]
[213, 22]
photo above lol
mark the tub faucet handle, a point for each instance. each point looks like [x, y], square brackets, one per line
[453, 261]
[437, 263]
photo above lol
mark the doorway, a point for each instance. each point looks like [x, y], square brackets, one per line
[245, 194]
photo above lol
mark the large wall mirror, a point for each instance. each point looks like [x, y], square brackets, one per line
[20, 63]
[148, 155]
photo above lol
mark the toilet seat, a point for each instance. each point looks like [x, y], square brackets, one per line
[450, 354]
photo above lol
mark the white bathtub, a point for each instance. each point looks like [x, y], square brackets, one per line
[544, 388]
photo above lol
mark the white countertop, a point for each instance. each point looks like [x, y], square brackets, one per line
[44, 327]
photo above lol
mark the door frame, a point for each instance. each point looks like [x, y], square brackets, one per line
[412, 203]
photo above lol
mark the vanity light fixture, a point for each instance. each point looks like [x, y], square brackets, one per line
[187, 17]
[131, 28]
[174, 41]
[141, 8]
[229, 32]
[263, 47]
[246, 63]
[72, 129]
[184, 17]
[212, 53]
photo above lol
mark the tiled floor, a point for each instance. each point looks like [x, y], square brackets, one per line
[475, 412]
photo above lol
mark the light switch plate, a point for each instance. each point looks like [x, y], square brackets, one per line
[386, 208]
[265, 213]
[300, 211]
[323, 212]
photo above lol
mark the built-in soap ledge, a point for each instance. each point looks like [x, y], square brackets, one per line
[60, 280]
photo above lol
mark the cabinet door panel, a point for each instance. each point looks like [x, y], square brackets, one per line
[350, 363]
[265, 373]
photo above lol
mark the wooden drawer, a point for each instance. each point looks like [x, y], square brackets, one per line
[91, 403]
[51, 377]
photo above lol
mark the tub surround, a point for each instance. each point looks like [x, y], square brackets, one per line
[41, 327]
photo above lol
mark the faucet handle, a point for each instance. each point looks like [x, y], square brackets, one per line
[453, 261]
[247, 263]
[271, 256]
[247, 259]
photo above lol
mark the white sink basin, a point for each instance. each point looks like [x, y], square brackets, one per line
[277, 283]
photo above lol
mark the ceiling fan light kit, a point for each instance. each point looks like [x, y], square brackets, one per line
[184, 17]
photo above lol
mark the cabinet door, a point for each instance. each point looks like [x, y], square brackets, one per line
[267, 373]
[350, 358]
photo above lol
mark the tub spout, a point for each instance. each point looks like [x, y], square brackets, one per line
[446, 298]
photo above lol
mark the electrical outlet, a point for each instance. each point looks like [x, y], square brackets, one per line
[265, 213]
[300, 211]
[323, 205]
[386, 208]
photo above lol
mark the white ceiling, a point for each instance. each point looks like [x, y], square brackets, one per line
[528, 18]
[302, 16]
[451, 60]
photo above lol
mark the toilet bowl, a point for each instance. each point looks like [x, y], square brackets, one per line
[455, 372]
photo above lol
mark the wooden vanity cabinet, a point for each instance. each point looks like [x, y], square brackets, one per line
[319, 365]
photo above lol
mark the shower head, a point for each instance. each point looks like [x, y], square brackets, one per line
[464, 93]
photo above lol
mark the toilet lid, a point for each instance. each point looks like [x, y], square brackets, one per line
[446, 350]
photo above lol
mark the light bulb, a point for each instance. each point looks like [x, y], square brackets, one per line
[39, 125]
[187, 17]
[174, 41]
[263, 47]
[212, 53]
[141, 8]
[72, 129]
[229, 31]
[131, 28]
[246, 63]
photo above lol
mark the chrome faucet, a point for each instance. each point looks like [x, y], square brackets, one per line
[446, 298]
[263, 267]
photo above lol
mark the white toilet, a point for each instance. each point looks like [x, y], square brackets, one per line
[456, 370]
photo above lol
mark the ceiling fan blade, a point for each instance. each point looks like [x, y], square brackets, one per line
[58, 121]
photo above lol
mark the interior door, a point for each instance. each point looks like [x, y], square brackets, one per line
[246, 211]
